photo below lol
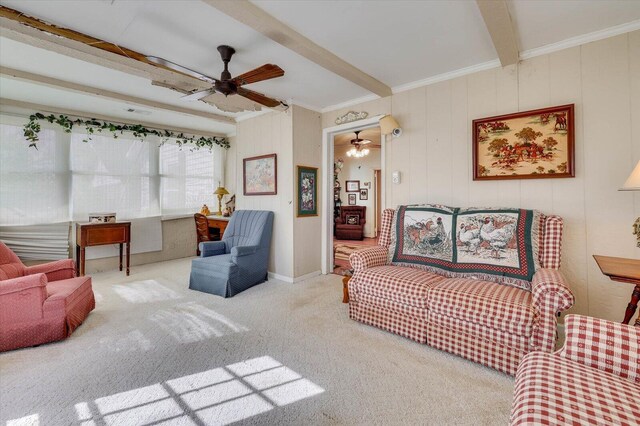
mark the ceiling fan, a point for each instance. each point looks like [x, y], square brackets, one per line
[227, 85]
[360, 146]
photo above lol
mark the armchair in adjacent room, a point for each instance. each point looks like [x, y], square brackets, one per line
[240, 260]
[41, 303]
[350, 223]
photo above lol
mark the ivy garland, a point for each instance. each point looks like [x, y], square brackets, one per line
[32, 130]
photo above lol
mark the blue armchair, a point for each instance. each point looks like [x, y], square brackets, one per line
[240, 260]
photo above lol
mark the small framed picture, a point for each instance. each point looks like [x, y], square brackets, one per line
[352, 199]
[364, 194]
[353, 185]
[260, 175]
[307, 191]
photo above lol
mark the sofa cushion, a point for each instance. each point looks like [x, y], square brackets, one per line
[500, 245]
[493, 305]
[551, 389]
[409, 286]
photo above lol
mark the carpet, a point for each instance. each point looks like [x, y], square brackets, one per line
[154, 352]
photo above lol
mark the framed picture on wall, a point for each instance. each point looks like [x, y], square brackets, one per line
[364, 194]
[307, 191]
[352, 186]
[260, 175]
[352, 199]
[525, 145]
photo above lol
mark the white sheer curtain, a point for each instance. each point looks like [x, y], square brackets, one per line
[34, 184]
[188, 177]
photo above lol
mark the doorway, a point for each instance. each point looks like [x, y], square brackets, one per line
[364, 171]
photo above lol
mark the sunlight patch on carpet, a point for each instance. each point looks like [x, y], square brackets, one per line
[218, 396]
[147, 291]
[191, 322]
[31, 420]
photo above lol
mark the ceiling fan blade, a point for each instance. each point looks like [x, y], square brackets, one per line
[196, 96]
[180, 68]
[265, 72]
[258, 97]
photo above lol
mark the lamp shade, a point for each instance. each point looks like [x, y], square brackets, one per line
[387, 124]
[633, 182]
[221, 191]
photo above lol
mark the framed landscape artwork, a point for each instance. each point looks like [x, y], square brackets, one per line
[352, 186]
[260, 175]
[525, 145]
[364, 194]
[352, 199]
[307, 191]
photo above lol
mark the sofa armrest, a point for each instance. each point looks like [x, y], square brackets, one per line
[239, 251]
[55, 271]
[551, 295]
[22, 298]
[338, 220]
[368, 258]
[602, 344]
[212, 248]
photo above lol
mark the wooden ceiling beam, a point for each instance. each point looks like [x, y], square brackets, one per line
[254, 17]
[498, 21]
[17, 26]
[108, 94]
[83, 114]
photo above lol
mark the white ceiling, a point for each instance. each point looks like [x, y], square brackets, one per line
[398, 42]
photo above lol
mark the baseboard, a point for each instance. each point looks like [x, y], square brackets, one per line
[293, 280]
[280, 277]
[307, 276]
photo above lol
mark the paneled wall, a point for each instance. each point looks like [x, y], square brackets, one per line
[603, 80]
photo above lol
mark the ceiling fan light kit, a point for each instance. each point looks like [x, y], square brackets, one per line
[357, 151]
[227, 85]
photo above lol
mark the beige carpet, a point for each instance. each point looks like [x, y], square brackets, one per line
[154, 352]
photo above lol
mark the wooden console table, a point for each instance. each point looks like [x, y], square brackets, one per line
[625, 271]
[219, 222]
[100, 234]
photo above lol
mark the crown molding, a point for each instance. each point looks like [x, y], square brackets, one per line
[580, 40]
[495, 63]
[351, 102]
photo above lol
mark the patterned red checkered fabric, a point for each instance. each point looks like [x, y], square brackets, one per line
[605, 345]
[385, 228]
[482, 302]
[391, 305]
[551, 242]
[404, 325]
[553, 390]
[408, 286]
[58, 270]
[550, 296]
[520, 343]
[476, 349]
[368, 258]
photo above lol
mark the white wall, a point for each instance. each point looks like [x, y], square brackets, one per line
[360, 169]
[295, 136]
[603, 80]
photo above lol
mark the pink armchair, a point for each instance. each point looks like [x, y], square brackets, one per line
[41, 303]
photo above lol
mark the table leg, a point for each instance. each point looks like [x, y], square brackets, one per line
[128, 256]
[345, 289]
[77, 260]
[632, 306]
[82, 258]
[121, 256]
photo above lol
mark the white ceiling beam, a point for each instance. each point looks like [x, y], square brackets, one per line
[498, 21]
[254, 17]
[108, 94]
[4, 102]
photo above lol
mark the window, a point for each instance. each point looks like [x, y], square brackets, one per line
[34, 184]
[114, 175]
[188, 177]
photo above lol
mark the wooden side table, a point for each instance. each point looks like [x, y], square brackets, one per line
[625, 271]
[100, 234]
[219, 222]
[345, 288]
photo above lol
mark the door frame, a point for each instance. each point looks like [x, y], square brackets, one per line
[328, 183]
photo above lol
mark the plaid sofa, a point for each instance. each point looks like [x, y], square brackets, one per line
[593, 379]
[486, 322]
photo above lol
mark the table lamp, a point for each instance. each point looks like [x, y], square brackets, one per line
[633, 184]
[220, 192]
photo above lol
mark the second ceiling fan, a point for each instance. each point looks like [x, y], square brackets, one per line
[226, 84]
